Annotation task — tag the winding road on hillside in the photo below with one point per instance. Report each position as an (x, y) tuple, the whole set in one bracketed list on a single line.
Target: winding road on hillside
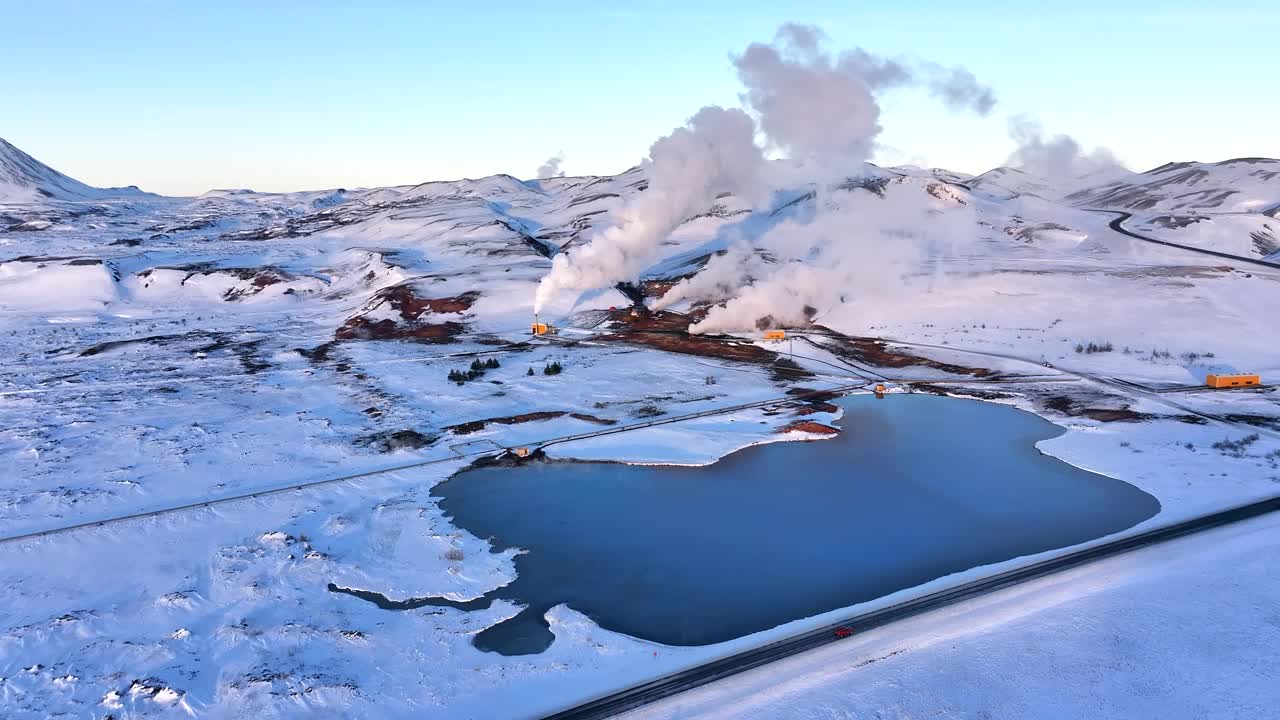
[(1118, 225), (646, 693)]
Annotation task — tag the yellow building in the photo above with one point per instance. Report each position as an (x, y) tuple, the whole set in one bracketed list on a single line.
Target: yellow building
[(1230, 381), (539, 328)]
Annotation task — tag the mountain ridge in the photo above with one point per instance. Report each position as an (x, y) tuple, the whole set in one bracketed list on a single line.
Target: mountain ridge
[(25, 179)]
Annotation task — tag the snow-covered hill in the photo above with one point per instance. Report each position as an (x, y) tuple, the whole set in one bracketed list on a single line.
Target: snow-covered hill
[(164, 352), (1007, 182), (1227, 206), (1241, 185), (24, 179)]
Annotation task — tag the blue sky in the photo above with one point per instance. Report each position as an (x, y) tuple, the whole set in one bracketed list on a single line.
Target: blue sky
[(181, 97)]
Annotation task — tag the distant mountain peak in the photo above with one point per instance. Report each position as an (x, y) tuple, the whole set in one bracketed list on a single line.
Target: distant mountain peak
[(24, 179)]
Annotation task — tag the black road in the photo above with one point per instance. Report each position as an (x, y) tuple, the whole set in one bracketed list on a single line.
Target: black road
[(649, 692), (1118, 226)]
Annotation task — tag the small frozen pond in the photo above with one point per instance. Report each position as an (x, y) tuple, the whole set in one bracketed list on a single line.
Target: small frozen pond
[(915, 487)]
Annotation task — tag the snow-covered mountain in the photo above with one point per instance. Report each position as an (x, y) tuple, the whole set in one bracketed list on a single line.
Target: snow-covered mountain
[(1011, 182), (1230, 206), (1238, 185), (1008, 182), (25, 179)]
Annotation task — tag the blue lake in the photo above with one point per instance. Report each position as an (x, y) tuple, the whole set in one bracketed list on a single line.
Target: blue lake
[(914, 488)]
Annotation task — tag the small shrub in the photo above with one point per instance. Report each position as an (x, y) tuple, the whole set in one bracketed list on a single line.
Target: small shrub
[(647, 411), (530, 372), (552, 369), (475, 371), (491, 364), (1236, 448), (455, 554), (1094, 347)]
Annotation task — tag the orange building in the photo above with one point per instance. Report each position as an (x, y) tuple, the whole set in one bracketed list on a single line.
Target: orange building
[(539, 328), (775, 335), (1230, 381)]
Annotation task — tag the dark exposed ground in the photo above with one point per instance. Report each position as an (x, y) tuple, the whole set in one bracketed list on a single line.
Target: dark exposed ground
[(871, 351), (467, 428), (411, 323)]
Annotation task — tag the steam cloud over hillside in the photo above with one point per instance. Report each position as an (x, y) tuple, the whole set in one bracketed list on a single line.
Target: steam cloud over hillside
[(1057, 157), (551, 168), (811, 106)]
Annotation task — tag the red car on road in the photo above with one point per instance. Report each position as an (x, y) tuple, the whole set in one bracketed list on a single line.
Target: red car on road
[(843, 632)]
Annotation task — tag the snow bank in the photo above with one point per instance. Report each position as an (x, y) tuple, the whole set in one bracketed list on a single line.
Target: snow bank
[(59, 285)]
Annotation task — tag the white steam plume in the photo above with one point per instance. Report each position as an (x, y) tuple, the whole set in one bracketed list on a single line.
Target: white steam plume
[(719, 279), (1057, 158), (820, 110), (714, 153), (825, 110), (813, 106), (845, 262), (551, 168), (958, 89)]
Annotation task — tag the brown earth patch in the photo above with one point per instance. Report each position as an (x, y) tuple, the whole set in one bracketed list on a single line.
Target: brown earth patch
[(695, 345), (467, 428), (1068, 406), (319, 354), (592, 419), (361, 328), (872, 351), (1263, 421), (661, 320), (410, 306), (670, 331), (220, 340), (1113, 415), (389, 442), (809, 426), (260, 277), (816, 407), (962, 392), (813, 395)]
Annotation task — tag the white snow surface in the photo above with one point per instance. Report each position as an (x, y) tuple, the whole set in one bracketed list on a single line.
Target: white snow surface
[(164, 352), (1183, 630)]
